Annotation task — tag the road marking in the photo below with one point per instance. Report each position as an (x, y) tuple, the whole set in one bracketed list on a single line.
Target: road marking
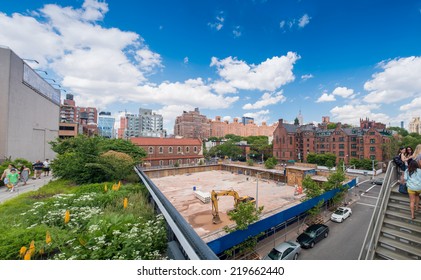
[(363, 182), (370, 205), (368, 196)]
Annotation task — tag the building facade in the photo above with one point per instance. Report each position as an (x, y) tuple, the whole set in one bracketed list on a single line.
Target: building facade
[(219, 128), (415, 125), (106, 125), (170, 151), (293, 142), (150, 124), (29, 110), (192, 125)]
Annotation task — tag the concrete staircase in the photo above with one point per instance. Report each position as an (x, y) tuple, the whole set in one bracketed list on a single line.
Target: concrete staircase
[(400, 236)]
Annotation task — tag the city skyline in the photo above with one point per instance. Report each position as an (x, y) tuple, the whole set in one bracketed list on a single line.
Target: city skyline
[(262, 59)]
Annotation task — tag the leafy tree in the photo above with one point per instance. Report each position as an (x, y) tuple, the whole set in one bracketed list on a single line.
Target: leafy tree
[(311, 188), (326, 159), (399, 130), (244, 215), (94, 159), (228, 149), (334, 180), (233, 137), (296, 121), (271, 162), (331, 125)]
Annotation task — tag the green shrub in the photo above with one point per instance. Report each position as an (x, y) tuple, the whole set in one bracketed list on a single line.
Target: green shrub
[(271, 162)]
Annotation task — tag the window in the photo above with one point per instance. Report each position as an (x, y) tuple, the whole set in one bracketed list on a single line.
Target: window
[(180, 161), (290, 140), (353, 153), (372, 149), (170, 162), (195, 149), (372, 157), (161, 150), (353, 146), (187, 150), (341, 153), (372, 141), (354, 139), (170, 150), (150, 150), (341, 146), (372, 133), (161, 162), (333, 139), (341, 139), (333, 146), (179, 150)]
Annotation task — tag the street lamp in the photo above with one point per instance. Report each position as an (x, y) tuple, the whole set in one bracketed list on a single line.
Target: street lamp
[(257, 190)]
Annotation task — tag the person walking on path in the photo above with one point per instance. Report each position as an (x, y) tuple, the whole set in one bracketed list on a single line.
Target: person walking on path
[(413, 182), (38, 166), (6, 172), (46, 167), (13, 179), (24, 174)]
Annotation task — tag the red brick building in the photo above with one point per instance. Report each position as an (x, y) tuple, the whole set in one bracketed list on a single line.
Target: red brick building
[(169, 151), (192, 125), (292, 142)]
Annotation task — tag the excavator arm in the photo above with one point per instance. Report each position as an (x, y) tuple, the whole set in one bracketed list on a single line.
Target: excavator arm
[(214, 198)]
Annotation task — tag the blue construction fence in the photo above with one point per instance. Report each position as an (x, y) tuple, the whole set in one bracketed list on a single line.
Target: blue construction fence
[(230, 240)]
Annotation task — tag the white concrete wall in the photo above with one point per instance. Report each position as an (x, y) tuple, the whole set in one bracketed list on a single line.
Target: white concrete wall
[(32, 120)]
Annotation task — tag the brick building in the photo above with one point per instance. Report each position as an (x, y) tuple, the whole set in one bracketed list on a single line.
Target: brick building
[(194, 125), (293, 142), (168, 151)]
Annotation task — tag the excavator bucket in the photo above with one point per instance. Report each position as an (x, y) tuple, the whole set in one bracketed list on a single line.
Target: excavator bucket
[(216, 220)]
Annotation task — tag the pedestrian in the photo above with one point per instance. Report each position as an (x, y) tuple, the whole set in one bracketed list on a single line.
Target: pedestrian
[(6, 172), (408, 155), (13, 179), (24, 174), (46, 167), (417, 154), (38, 167), (413, 182)]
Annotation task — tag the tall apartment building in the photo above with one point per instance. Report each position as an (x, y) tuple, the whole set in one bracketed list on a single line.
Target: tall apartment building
[(68, 110), (292, 142), (29, 110), (415, 125), (150, 124), (192, 125), (132, 126), (106, 125)]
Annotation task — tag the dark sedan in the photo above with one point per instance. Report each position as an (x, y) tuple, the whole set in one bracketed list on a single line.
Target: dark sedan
[(312, 235)]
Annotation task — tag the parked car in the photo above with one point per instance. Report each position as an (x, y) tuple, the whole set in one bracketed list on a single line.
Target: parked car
[(341, 214), (285, 251), (378, 181), (312, 235)]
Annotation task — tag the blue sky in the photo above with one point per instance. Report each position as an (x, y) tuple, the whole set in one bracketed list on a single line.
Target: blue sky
[(265, 59)]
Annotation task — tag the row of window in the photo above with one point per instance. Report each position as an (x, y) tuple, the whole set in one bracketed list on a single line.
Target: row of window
[(171, 150), (179, 161)]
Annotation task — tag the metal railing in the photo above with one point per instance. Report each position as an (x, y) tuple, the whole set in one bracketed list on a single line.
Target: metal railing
[(376, 222), (193, 247)]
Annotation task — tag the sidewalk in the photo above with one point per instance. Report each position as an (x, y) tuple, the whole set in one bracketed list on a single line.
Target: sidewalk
[(31, 185)]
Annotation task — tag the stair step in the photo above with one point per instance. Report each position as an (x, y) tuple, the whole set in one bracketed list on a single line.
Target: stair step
[(400, 206), (402, 235), (413, 252), (402, 216), (389, 254), (399, 224)]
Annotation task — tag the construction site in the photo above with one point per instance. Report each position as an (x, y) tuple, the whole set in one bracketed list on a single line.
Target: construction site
[(191, 195)]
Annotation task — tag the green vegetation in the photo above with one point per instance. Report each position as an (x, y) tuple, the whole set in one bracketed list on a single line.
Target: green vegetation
[(94, 159), (365, 164), (100, 225), (271, 162), (327, 159)]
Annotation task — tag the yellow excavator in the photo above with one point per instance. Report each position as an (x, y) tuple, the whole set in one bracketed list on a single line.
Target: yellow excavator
[(237, 200)]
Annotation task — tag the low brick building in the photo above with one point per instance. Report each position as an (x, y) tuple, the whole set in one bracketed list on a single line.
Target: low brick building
[(169, 151)]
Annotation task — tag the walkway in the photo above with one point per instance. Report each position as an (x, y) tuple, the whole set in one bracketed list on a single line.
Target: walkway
[(31, 185)]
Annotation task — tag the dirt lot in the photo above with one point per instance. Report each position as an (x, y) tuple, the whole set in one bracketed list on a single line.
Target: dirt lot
[(178, 189)]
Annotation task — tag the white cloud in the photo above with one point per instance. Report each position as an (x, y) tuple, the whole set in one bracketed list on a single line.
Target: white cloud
[(343, 92), (306, 77), (399, 80), (259, 117), (326, 98), (266, 100), (282, 24), (299, 23), (236, 31), (218, 23), (304, 20), (186, 60), (268, 75), (351, 114), (222, 87)]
